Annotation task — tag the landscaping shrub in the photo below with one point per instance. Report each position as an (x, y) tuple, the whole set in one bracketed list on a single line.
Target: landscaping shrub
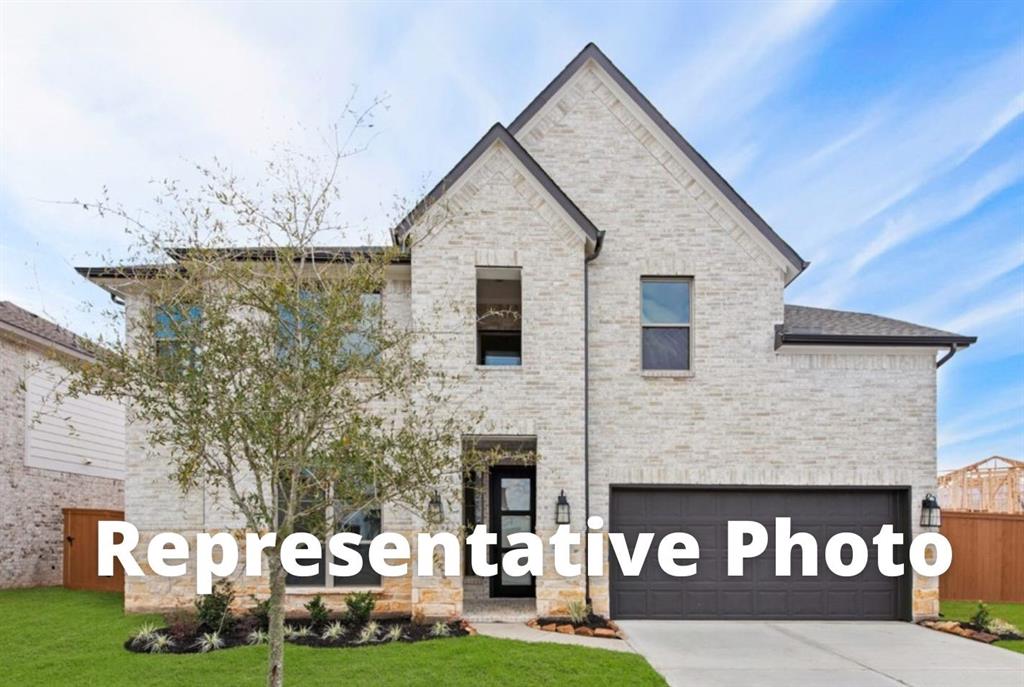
[(214, 609), (360, 606), (983, 616), (318, 613), (182, 626), (579, 611), (998, 626), (261, 611)]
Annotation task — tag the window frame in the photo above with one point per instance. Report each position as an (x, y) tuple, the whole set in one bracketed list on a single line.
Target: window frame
[(687, 326), (329, 583), (479, 331)]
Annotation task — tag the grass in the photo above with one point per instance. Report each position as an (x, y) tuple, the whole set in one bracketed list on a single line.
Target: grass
[(1013, 613), (53, 636)]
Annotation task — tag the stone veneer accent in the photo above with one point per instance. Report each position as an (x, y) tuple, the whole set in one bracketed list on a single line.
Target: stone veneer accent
[(31, 499)]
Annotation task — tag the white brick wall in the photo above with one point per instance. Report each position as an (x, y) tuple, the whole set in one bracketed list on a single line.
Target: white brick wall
[(747, 414)]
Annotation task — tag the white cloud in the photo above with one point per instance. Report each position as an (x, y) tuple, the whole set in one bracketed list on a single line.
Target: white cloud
[(1010, 304)]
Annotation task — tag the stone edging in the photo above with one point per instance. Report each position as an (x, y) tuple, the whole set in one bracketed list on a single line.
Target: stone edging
[(611, 632)]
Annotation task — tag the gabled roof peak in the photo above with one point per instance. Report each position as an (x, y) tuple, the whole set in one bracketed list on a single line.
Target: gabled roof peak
[(498, 133), (592, 52)]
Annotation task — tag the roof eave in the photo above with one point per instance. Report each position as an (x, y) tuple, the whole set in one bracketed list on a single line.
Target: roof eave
[(873, 340)]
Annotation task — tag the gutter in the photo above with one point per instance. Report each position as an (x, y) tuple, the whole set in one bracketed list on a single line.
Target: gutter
[(598, 244), (946, 358)]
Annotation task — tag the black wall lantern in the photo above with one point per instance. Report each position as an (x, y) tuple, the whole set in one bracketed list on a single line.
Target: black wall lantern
[(931, 514), (435, 509), (562, 510)]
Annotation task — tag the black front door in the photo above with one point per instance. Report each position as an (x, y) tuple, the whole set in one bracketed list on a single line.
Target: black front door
[(512, 497)]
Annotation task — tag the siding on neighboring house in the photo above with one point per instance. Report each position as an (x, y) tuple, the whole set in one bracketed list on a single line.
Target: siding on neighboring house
[(36, 484), (83, 435)]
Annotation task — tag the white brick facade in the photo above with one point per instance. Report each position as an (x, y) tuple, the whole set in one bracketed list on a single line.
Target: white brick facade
[(746, 414)]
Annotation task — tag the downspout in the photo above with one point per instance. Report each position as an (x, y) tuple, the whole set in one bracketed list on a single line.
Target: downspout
[(945, 359), (586, 402)]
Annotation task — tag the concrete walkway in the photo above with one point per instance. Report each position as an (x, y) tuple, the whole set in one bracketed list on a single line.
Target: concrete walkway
[(528, 634), (831, 654)]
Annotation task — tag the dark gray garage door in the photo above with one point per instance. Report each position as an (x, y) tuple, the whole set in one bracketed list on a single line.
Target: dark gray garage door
[(711, 594)]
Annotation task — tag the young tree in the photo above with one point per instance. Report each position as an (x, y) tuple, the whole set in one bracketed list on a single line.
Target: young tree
[(275, 374)]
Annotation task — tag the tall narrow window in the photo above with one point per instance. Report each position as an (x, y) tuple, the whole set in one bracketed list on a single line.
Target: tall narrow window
[(499, 309), (665, 323)]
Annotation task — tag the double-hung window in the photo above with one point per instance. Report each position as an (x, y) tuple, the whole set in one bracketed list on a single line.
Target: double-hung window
[(665, 323)]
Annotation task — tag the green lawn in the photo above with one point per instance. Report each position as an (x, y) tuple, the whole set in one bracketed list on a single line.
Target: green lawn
[(1014, 613), (53, 636)]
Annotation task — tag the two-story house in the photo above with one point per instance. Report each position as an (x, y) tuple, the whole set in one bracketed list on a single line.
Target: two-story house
[(654, 366)]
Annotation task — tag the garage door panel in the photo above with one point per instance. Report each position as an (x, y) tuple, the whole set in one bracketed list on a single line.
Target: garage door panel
[(759, 593)]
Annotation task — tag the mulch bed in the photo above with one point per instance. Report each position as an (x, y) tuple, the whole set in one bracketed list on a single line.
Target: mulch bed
[(187, 643), (968, 630), (593, 626)]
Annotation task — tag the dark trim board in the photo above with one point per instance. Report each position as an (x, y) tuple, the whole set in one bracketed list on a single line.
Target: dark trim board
[(497, 133), (759, 595)]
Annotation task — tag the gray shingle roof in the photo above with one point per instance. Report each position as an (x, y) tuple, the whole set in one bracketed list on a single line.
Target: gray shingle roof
[(804, 324), (21, 322)]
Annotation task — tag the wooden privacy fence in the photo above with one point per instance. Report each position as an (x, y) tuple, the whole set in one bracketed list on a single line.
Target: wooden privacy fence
[(988, 556)]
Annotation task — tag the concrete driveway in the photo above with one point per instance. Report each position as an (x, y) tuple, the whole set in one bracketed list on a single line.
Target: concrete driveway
[(833, 654)]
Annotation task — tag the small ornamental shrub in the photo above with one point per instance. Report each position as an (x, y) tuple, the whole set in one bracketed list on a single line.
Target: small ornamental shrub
[(333, 631), (144, 636), (261, 611), (160, 644), (983, 616), (440, 629), (579, 611), (368, 633), (360, 606), (182, 625), (394, 633), (998, 626), (209, 641), (318, 613), (214, 609), (292, 632), (256, 637)]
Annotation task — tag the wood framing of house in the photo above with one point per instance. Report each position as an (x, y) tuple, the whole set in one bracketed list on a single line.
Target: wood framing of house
[(993, 485)]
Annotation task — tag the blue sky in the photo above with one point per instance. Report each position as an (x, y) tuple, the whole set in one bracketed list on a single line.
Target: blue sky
[(882, 140)]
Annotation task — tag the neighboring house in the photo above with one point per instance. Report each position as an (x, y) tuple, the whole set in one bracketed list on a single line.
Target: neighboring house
[(52, 457), (655, 370), (993, 485)]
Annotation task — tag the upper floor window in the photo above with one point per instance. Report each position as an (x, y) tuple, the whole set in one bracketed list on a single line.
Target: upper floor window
[(665, 306), (299, 325), (499, 310), (175, 341)]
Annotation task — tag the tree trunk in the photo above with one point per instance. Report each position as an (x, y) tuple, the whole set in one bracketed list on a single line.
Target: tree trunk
[(275, 659)]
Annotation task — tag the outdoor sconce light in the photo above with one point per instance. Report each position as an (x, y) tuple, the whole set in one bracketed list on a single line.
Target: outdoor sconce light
[(562, 510), (435, 509), (931, 514)]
